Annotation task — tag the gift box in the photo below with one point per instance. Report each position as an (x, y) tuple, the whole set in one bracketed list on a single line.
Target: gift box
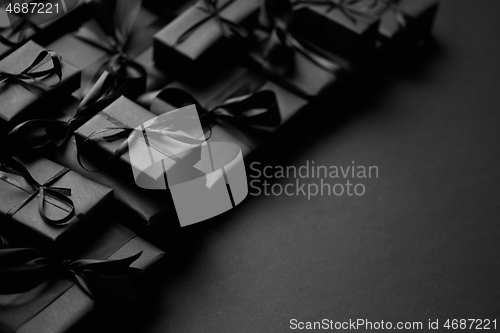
[(61, 304), (21, 97), (232, 82), (299, 73), (156, 78), (408, 21), (69, 202), (93, 57), (16, 29), (347, 29), (196, 38)]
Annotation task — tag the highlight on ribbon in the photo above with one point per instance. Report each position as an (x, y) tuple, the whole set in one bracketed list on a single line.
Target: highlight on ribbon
[(171, 152)]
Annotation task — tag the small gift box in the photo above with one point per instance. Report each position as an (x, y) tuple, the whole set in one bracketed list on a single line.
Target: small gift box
[(408, 21), (46, 202), (31, 79), (200, 35), (345, 27), (156, 78), (304, 71), (95, 47), (57, 295)]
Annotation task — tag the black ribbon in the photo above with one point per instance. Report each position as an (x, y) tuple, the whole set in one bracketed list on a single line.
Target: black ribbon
[(18, 27), (42, 191), (115, 19), (29, 77), (40, 133), (281, 44), (22, 269), (254, 109), (229, 29)]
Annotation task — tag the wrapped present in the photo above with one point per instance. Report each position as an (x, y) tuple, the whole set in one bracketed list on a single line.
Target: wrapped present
[(120, 31), (407, 21), (46, 202), (240, 106), (58, 293), (42, 23), (343, 26), (203, 33), (29, 79)]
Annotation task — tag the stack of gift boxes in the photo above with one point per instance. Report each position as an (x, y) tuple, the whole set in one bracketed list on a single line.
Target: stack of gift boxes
[(72, 90)]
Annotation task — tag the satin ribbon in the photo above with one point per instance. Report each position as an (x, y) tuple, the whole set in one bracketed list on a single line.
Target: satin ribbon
[(116, 19), (19, 27), (40, 133), (171, 128), (22, 269), (281, 44), (229, 29), (59, 195), (29, 76), (254, 109)]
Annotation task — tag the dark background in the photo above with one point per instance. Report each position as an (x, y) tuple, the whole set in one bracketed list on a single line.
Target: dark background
[(422, 243)]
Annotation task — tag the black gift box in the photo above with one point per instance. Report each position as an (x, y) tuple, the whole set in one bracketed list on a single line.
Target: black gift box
[(205, 45), (410, 21), (60, 305), (150, 208), (89, 199), (18, 102), (351, 32), (303, 77)]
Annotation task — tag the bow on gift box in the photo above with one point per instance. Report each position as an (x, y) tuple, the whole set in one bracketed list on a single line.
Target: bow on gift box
[(254, 109), (58, 196), (229, 29), (112, 35), (40, 133), (173, 129), (30, 78), (281, 45), (22, 269)]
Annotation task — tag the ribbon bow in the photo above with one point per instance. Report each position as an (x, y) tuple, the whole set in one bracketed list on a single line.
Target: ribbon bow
[(115, 21), (281, 44), (171, 128), (229, 29), (28, 76), (42, 191), (40, 133), (22, 269), (255, 109)]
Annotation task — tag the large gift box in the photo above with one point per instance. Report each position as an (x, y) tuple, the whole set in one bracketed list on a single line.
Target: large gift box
[(149, 208), (200, 37), (46, 202), (45, 23), (33, 80), (346, 27), (63, 301)]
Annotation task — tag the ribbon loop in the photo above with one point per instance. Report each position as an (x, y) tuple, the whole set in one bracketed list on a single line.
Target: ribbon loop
[(29, 76), (61, 195)]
